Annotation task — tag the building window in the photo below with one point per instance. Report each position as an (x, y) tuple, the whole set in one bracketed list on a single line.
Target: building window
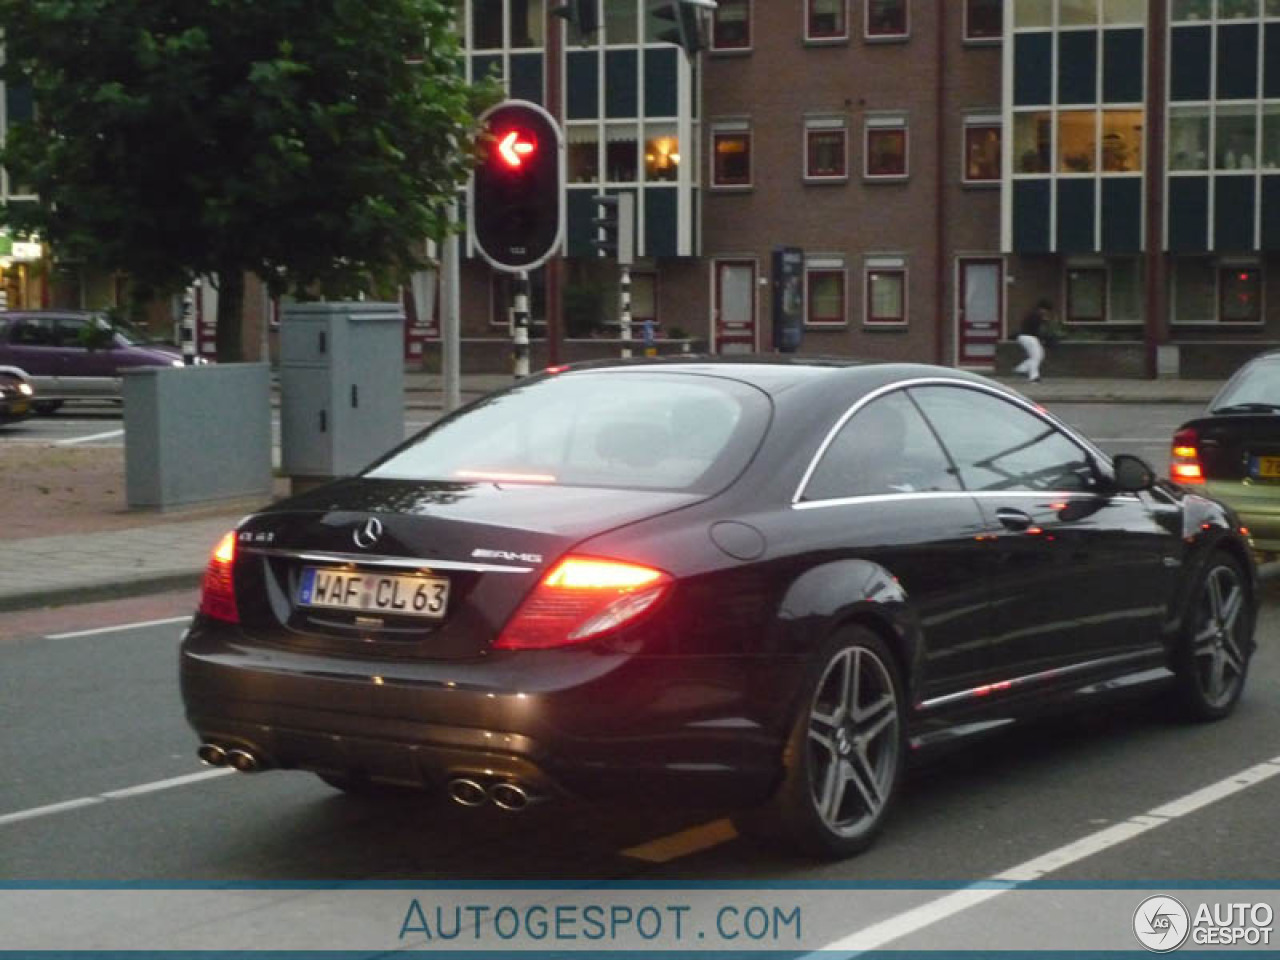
[(1237, 145), (1188, 138), (502, 290), (826, 146), (983, 19), (1122, 141), (1077, 139), (886, 286), (731, 150), (886, 18), (1086, 295), (731, 25), (981, 150), (1240, 294), (826, 20), (886, 148), (1207, 291), (644, 298), (662, 153), (824, 288)]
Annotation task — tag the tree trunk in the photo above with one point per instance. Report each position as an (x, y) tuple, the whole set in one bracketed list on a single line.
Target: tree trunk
[(230, 316)]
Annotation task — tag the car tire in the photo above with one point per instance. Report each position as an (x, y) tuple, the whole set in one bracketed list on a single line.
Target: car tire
[(1212, 659), (46, 407), (845, 753)]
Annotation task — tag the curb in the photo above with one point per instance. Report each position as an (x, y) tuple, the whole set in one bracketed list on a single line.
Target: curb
[(110, 590)]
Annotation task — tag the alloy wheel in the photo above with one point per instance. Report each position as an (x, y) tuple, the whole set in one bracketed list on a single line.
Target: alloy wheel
[(1217, 647), (854, 741)]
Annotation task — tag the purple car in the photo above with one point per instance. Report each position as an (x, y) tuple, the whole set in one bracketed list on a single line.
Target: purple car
[(75, 355)]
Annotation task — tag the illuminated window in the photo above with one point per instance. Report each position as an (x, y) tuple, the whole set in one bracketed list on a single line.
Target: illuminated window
[(826, 20), (886, 286), (661, 153), (1121, 141), (731, 149), (731, 25), (886, 148), (1032, 134), (886, 18), (981, 150), (1077, 141), (1240, 294), (983, 19), (824, 282), (826, 149)]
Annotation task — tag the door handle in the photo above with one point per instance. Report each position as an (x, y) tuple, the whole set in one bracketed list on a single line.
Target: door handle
[(1013, 519)]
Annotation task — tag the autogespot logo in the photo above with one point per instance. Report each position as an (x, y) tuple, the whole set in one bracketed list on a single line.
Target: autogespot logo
[(1161, 924)]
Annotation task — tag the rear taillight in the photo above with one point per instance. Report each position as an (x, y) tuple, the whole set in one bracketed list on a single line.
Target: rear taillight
[(581, 599), (217, 592), (1184, 465)]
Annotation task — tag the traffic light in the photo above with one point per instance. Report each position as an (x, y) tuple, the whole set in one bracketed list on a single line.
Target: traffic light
[(517, 206), (583, 16), (686, 22), (615, 227)]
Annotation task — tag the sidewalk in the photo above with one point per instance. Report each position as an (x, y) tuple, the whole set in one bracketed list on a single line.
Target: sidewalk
[(67, 537)]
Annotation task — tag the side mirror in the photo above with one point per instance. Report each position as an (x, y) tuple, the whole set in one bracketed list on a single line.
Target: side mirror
[(1132, 473)]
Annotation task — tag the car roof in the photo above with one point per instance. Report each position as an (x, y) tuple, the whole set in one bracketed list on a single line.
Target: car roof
[(779, 374)]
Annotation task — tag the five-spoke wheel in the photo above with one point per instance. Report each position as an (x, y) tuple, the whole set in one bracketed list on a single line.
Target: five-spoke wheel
[(1214, 659)]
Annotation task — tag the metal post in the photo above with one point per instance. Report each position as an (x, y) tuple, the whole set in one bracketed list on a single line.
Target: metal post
[(447, 287), (624, 289), (520, 326), (190, 305)]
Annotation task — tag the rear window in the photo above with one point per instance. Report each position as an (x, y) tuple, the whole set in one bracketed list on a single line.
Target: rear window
[(626, 430), (1256, 384)]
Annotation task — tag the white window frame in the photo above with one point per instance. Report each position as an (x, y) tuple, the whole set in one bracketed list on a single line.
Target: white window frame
[(821, 38), (885, 264), (984, 120), (879, 122), (870, 37), (825, 124), (739, 127), (827, 263)]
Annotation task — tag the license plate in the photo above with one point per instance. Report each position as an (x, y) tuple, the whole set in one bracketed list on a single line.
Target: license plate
[(18, 406), (1268, 467), (408, 596)]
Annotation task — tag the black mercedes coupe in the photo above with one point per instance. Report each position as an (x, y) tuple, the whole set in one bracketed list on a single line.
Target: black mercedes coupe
[(761, 584)]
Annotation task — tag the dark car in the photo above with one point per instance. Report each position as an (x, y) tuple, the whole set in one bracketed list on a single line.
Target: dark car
[(16, 395), (1232, 452), (75, 355), (757, 584)]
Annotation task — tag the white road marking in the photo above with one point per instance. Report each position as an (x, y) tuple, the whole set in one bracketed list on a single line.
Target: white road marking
[(48, 809), (123, 626), (93, 436), (155, 786), (912, 921)]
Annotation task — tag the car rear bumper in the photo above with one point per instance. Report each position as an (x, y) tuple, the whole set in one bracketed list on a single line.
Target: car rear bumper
[(572, 722)]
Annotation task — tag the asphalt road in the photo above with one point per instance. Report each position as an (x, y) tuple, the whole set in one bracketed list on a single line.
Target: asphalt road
[(96, 755)]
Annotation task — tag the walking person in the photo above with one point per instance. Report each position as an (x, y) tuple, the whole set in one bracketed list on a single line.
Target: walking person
[(1036, 327)]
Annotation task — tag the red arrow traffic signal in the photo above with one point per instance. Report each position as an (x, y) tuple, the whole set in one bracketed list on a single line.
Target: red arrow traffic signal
[(513, 148)]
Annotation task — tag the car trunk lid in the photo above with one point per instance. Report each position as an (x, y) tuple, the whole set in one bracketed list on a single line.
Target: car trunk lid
[(410, 569)]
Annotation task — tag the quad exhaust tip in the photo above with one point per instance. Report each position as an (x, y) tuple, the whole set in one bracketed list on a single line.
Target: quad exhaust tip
[(245, 761), (212, 755), (505, 795)]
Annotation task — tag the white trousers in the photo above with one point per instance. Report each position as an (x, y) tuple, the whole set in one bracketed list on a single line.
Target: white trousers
[(1034, 350)]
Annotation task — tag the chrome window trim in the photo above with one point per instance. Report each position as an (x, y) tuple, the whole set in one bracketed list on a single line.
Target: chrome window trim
[(954, 494), (1015, 683), (379, 560), (797, 499)]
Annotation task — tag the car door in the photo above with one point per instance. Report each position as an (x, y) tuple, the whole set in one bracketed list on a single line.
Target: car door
[(31, 347), (883, 492), (1079, 573), (86, 367)]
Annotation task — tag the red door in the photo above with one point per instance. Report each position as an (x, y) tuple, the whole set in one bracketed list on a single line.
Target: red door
[(979, 312), (735, 306)]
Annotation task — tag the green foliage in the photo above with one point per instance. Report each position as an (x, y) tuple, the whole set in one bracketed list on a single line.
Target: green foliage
[(314, 143)]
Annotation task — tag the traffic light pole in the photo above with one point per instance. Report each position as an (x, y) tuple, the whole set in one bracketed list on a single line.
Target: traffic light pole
[(448, 291), (624, 313), (520, 327)]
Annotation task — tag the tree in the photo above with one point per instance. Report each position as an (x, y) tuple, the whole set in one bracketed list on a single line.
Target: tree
[(314, 143)]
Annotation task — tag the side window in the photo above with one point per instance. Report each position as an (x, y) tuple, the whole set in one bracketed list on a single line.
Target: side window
[(886, 447), (69, 332), (32, 333), (999, 446)]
